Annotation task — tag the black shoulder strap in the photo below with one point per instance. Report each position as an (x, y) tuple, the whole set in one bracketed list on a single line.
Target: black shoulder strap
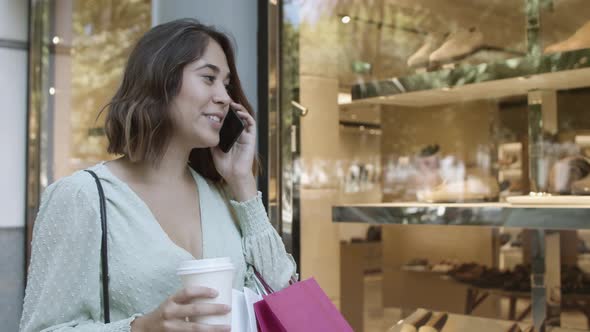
[(103, 249)]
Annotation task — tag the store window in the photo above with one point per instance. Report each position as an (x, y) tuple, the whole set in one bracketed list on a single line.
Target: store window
[(425, 144)]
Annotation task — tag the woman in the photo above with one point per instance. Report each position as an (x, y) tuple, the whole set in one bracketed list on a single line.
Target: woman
[(179, 83)]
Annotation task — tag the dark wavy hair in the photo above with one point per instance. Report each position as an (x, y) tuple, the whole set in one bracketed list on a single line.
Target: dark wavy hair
[(138, 123)]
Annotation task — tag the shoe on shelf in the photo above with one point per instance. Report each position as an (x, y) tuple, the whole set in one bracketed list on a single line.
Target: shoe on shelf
[(420, 57), (436, 323), (519, 279), (491, 278), (458, 44), (467, 272), (581, 187), (416, 264), (579, 40), (472, 189), (420, 317), (569, 175), (443, 267)]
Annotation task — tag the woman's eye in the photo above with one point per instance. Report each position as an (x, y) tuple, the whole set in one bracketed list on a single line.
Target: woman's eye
[(210, 79)]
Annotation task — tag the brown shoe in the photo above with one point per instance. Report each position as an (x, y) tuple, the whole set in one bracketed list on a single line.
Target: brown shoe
[(579, 40), (581, 187)]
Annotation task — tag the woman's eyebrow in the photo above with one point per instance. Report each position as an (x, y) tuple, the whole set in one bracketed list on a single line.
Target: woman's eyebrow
[(213, 67), (210, 66)]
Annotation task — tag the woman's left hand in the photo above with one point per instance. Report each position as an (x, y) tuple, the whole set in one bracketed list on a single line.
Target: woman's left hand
[(236, 166)]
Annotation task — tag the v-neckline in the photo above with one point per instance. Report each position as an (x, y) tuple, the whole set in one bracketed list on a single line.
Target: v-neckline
[(196, 179)]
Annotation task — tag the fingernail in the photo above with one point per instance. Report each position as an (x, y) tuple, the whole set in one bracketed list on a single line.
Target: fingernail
[(214, 293), (228, 307)]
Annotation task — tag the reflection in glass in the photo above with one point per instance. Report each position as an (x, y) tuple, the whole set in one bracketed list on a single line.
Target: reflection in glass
[(78, 50), (79, 58), (99, 38)]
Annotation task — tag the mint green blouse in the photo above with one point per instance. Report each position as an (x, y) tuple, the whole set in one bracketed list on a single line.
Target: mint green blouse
[(64, 286)]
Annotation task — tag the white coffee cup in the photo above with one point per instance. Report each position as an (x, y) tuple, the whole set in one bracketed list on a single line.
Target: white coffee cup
[(215, 273)]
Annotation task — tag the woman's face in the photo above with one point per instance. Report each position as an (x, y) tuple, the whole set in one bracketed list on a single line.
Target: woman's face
[(200, 107)]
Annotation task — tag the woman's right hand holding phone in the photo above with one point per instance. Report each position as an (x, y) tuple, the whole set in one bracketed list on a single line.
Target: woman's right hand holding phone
[(171, 315)]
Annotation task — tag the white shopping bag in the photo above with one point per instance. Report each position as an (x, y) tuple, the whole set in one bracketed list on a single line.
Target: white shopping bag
[(243, 318)]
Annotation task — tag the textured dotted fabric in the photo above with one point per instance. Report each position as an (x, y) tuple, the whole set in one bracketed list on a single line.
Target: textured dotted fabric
[(64, 281)]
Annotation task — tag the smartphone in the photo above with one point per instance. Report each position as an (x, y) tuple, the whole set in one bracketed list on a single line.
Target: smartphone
[(230, 131)]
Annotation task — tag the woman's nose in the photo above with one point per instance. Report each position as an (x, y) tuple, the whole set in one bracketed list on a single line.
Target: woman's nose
[(221, 96)]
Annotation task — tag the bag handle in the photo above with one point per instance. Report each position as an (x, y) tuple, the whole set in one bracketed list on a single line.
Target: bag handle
[(103, 249), (258, 276), (262, 283)]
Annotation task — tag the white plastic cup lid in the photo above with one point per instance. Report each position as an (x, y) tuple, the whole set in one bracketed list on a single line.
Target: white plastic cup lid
[(205, 265)]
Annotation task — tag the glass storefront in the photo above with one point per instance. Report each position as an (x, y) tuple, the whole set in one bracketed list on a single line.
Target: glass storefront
[(466, 119)]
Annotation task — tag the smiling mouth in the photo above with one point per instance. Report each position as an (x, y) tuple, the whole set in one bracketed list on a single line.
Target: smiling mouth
[(214, 118)]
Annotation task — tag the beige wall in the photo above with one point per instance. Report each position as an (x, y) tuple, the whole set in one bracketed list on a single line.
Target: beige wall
[(322, 139), (458, 129), (319, 139), (572, 109)]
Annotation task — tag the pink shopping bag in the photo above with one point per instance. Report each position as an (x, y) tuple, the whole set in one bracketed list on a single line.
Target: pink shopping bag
[(301, 307)]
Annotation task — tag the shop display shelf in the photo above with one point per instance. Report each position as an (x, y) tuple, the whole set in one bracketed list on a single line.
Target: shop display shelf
[(466, 214), (517, 76)]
